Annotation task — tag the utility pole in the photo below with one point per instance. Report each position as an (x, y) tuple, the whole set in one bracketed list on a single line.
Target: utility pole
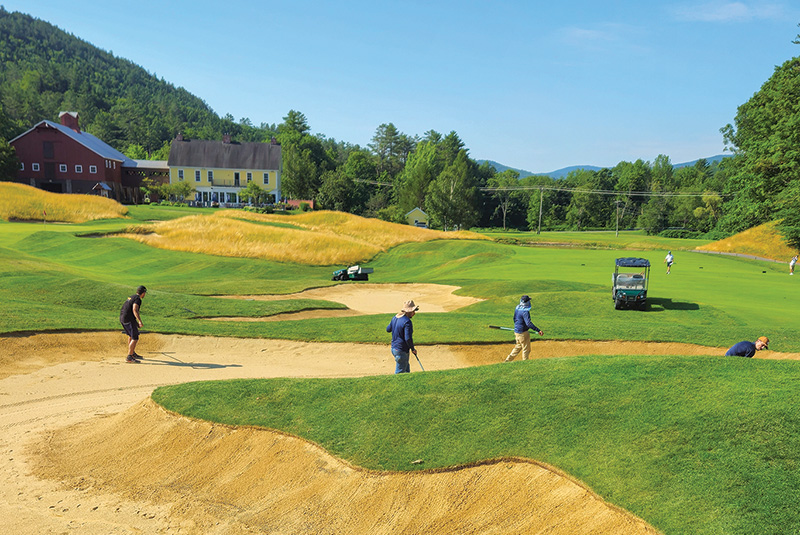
[(541, 200)]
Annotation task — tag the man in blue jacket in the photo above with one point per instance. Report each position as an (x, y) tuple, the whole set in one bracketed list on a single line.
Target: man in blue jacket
[(522, 326), (748, 349), (403, 336)]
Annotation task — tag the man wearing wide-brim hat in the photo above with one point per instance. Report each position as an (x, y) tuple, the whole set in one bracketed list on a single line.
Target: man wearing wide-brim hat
[(748, 349), (403, 336)]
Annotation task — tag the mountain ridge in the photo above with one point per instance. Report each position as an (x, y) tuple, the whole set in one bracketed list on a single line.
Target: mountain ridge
[(564, 171)]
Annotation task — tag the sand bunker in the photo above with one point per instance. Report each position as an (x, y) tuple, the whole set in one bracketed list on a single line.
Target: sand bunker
[(365, 298), (248, 480), (129, 467)]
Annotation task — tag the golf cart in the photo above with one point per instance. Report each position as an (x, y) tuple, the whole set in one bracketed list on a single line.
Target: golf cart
[(629, 283), (352, 273)]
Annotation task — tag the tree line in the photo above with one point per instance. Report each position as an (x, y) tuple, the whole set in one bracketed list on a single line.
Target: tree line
[(44, 70)]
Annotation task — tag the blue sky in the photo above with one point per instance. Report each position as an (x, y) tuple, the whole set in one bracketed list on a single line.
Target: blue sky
[(536, 85)]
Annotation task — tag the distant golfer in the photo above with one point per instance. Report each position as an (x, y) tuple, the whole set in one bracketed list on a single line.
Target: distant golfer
[(748, 349), (669, 259), (403, 336), (131, 321), (792, 262), (522, 327)]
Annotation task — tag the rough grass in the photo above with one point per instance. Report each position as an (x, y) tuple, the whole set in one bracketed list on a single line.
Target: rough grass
[(319, 238), (764, 241), (19, 202)]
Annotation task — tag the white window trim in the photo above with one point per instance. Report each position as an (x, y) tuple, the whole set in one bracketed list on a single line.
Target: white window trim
[(78, 168), (249, 176), (210, 175), (21, 166), (266, 179), (180, 174), (62, 168), (93, 169), (34, 167)]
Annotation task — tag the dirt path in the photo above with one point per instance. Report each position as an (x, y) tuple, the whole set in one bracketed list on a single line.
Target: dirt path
[(85, 451)]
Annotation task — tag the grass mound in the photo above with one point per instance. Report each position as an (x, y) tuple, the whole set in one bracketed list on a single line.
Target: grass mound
[(19, 202), (319, 238), (764, 241), (650, 434)]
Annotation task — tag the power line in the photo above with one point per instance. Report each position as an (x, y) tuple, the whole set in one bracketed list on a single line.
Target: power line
[(580, 190), (607, 192)]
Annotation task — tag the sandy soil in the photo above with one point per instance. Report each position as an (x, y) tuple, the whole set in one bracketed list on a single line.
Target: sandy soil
[(367, 298), (85, 451)]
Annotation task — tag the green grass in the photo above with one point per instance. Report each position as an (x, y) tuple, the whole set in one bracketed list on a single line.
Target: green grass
[(602, 239), (692, 445), (708, 299)]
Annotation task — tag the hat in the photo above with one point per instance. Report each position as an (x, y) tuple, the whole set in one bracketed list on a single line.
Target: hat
[(409, 306), (765, 340), (524, 299), (140, 290)]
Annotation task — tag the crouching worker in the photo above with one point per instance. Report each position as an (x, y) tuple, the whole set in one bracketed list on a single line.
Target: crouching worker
[(403, 336), (522, 326), (748, 349)]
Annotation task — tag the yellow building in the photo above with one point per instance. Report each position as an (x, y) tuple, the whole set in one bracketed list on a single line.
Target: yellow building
[(219, 170), (417, 218)]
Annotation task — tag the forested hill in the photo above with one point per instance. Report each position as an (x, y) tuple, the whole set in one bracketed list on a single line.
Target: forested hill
[(45, 70)]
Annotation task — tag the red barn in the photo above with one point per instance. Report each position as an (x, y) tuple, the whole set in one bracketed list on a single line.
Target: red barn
[(63, 159)]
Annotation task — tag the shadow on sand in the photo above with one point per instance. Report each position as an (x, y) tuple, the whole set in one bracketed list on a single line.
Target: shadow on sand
[(177, 362)]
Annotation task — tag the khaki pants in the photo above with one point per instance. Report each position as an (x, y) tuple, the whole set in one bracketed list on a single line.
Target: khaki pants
[(523, 344)]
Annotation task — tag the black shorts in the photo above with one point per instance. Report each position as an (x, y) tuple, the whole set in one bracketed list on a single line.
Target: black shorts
[(132, 330)]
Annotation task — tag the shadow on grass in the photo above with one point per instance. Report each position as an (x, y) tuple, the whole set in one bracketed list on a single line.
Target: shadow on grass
[(656, 304), (194, 365)]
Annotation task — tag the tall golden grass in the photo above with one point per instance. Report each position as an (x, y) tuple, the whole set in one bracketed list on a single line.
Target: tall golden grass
[(20, 202), (322, 238), (764, 241)]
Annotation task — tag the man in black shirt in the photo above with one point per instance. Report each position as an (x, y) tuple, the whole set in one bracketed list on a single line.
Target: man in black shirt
[(131, 321)]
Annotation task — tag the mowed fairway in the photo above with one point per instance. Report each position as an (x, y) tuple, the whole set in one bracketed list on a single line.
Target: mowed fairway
[(689, 444)]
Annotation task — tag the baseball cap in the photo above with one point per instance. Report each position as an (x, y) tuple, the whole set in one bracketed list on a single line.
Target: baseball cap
[(524, 299), (765, 340), (140, 290)]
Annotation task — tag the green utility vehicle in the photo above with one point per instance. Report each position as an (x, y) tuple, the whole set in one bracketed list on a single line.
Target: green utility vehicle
[(629, 283), (352, 273)]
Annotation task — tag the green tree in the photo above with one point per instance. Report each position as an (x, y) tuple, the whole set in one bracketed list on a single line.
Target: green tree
[(135, 152), (9, 163), (392, 149), (630, 178), (765, 138), (451, 200), (253, 193), (299, 178), (504, 196), (182, 190), (420, 171)]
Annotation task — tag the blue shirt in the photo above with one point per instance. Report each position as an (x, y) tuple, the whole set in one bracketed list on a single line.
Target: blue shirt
[(402, 333), (522, 319), (742, 349)]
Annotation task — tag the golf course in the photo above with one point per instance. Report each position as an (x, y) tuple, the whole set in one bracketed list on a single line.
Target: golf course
[(266, 400)]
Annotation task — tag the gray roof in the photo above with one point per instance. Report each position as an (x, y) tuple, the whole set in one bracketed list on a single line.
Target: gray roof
[(150, 164), (219, 155), (87, 140)]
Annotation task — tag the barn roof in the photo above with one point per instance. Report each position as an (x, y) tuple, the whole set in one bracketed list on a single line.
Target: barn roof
[(86, 139)]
